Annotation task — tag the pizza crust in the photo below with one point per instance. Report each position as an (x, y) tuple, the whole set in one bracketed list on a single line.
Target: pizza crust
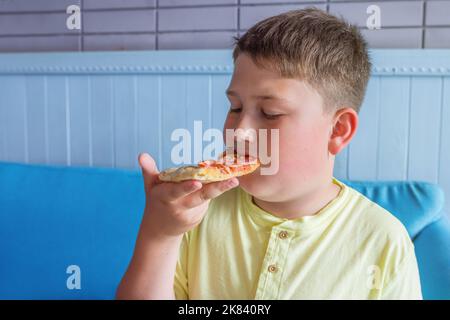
[(206, 174), (184, 173)]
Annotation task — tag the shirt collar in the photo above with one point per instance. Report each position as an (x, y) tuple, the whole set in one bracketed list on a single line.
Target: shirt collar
[(302, 225)]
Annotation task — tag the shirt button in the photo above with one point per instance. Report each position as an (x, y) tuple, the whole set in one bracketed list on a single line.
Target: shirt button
[(272, 268), (283, 234)]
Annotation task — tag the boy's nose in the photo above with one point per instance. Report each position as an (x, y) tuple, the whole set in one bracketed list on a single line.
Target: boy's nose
[(244, 129), (241, 140), (245, 142), (245, 134)]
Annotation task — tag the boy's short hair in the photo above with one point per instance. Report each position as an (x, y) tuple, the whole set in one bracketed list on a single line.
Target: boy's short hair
[(312, 45)]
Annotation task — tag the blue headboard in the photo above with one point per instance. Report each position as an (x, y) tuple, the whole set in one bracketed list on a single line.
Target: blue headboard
[(103, 108)]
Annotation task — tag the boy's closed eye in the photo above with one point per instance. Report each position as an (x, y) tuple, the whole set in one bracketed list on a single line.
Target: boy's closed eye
[(266, 114)]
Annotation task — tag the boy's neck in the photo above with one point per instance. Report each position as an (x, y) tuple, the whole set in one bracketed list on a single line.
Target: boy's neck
[(306, 205)]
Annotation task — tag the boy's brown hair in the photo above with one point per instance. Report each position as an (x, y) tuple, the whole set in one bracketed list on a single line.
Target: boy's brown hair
[(312, 45)]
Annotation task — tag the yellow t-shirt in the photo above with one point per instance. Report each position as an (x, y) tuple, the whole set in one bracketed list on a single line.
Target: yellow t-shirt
[(351, 249)]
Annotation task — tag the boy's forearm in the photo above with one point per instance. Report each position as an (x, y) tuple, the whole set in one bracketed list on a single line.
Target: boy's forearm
[(151, 272)]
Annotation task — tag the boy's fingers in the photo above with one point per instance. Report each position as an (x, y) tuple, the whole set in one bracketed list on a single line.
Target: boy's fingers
[(173, 191), (210, 191), (149, 169)]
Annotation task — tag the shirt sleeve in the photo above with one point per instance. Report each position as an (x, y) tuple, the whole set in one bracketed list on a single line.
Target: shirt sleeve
[(405, 285), (181, 281)]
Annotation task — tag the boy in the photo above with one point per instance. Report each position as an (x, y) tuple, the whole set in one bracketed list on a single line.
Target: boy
[(296, 234)]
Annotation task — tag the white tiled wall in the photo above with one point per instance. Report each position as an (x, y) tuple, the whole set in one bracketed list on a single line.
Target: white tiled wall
[(40, 25)]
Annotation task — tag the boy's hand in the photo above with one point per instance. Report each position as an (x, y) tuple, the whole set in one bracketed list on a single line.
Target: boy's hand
[(172, 209)]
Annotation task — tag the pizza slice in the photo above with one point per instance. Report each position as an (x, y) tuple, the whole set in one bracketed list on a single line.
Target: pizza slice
[(226, 167)]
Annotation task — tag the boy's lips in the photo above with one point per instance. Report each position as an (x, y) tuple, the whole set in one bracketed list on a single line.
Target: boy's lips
[(239, 157), (236, 153)]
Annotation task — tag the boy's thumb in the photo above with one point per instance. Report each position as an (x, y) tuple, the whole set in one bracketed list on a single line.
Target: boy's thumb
[(149, 169)]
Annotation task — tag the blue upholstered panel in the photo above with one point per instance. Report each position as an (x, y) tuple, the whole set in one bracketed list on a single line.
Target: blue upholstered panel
[(51, 218), (54, 217), (416, 204)]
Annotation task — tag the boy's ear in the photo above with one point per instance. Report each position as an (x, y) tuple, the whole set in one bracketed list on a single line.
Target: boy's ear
[(345, 123)]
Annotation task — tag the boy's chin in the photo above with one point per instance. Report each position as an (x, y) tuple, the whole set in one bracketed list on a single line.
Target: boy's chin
[(256, 185)]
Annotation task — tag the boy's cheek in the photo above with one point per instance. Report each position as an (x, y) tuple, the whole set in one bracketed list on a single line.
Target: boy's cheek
[(301, 158), (297, 160), (298, 167)]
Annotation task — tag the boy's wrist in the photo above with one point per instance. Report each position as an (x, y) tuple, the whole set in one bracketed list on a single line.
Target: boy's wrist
[(164, 238), (153, 234)]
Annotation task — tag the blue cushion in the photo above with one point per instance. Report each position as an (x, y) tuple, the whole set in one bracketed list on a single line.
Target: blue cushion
[(433, 255), (53, 217), (418, 205), (415, 204)]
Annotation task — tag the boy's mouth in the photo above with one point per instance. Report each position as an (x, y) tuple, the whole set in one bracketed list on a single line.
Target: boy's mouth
[(235, 151), (232, 155)]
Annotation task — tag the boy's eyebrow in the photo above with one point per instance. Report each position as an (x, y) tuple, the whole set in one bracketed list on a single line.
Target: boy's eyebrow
[(259, 97)]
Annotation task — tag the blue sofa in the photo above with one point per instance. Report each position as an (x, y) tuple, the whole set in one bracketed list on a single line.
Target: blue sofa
[(52, 218)]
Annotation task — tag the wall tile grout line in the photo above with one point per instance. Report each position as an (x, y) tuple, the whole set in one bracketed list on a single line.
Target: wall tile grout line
[(82, 26), (164, 7), (424, 13), (157, 25), (37, 35), (203, 6), (238, 17), (185, 31), (182, 31), (59, 11)]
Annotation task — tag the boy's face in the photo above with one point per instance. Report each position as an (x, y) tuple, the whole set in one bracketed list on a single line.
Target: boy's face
[(261, 99)]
